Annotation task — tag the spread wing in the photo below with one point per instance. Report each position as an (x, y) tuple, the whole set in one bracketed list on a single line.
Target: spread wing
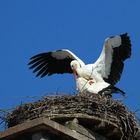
[(53, 62), (110, 64)]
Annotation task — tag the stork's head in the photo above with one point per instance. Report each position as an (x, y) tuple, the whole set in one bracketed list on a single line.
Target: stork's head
[(74, 66)]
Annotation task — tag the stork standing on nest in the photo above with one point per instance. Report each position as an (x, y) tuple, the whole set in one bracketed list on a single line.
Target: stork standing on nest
[(98, 77)]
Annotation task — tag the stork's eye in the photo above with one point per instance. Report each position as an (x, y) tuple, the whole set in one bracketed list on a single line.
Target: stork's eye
[(72, 66)]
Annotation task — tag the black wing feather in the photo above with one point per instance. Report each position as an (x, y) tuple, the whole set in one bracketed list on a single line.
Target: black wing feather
[(39, 67), (51, 62), (120, 54)]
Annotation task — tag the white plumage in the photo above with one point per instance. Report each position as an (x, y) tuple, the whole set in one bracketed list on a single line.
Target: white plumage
[(103, 74), (84, 85), (91, 86)]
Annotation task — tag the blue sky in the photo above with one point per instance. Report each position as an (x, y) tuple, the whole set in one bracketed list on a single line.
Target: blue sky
[(31, 26)]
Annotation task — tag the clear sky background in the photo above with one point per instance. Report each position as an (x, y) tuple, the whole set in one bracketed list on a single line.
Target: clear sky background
[(29, 27)]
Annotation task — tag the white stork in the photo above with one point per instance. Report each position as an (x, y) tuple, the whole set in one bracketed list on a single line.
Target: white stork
[(104, 73), (91, 86)]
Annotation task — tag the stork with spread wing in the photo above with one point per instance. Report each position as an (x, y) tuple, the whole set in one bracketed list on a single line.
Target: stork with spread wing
[(103, 74)]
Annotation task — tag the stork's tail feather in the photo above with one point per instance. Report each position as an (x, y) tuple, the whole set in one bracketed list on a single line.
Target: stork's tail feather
[(110, 90), (117, 90)]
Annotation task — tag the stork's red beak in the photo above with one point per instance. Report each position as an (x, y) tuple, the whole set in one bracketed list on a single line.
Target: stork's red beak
[(74, 73)]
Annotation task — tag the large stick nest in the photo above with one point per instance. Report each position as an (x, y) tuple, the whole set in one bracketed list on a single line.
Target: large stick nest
[(97, 106)]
